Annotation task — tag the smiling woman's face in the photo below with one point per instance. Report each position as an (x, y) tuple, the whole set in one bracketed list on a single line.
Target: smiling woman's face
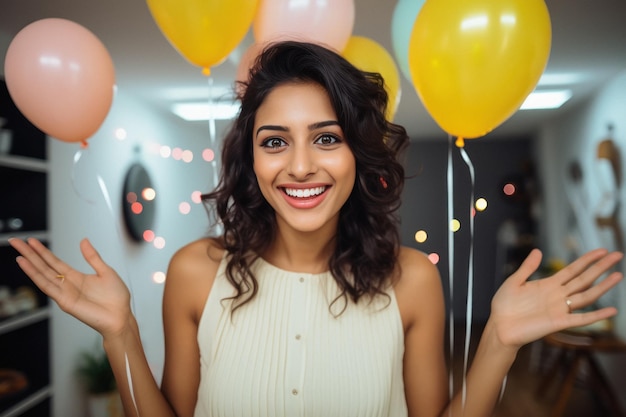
[(303, 164)]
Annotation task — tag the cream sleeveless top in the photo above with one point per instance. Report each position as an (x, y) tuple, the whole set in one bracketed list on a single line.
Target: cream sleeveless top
[(285, 354)]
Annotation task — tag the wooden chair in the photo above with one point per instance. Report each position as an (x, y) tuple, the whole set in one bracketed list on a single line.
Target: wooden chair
[(575, 351)]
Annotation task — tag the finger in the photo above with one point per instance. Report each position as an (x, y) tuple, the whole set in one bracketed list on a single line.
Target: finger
[(585, 279), (93, 258), (528, 267), (36, 264), (580, 265), (48, 286), (57, 265), (590, 317), (591, 295)]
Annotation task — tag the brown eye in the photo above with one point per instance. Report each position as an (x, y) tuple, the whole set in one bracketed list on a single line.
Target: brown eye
[(327, 140), (273, 143)]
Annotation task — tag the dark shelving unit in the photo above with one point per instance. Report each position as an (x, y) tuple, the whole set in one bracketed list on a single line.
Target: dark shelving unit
[(24, 310)]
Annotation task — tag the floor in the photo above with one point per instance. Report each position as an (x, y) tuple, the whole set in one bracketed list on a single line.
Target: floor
[(521, 399)]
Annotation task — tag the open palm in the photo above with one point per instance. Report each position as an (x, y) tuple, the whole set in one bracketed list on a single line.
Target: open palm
[(100, 300), (525, 311)]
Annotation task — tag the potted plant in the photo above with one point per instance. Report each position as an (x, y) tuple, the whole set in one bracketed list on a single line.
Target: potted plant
[(95, 371)]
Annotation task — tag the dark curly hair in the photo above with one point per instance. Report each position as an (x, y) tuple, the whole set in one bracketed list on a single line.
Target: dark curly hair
[(367, 240)]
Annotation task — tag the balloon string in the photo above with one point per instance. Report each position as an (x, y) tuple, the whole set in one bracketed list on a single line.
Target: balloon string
[(107, 199), (77, 157), (211, 102), (503, 388), (129, 377), (450, 184), (212, 132), (470, 274)]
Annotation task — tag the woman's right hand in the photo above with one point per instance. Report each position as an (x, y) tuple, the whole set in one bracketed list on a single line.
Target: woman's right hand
[(100, 300)]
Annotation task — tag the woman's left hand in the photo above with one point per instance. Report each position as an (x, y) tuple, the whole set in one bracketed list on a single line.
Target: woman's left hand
[(524, 311)]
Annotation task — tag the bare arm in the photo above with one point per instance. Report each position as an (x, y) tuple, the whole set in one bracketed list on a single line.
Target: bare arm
[(102, 301), (189, 280), (522, 311), (420, 299)]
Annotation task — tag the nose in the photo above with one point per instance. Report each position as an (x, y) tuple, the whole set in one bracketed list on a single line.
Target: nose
[(301, 163)]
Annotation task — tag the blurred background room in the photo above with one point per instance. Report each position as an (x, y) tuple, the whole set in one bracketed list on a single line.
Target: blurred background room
[(551, 178)]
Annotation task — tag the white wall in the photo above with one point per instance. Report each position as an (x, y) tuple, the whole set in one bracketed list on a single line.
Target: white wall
[(575, 136), (79, 208)]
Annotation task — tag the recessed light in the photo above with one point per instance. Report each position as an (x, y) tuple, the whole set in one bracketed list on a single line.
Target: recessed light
[(548, 99), (195, 111), (562, 78)]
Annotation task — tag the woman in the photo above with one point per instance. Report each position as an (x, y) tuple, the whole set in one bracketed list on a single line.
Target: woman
[(308, 305)]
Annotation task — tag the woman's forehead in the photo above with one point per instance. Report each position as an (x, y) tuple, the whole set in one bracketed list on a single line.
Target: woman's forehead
[(295, 102)]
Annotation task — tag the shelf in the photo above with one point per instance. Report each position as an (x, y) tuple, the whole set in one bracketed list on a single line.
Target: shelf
[(37, 234), (27, 403), (25, 336), (24, 162), (23, 319)]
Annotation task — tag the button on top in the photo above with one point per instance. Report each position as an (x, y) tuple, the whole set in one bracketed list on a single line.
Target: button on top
[(294, 391), (298, 337), (301, 279)]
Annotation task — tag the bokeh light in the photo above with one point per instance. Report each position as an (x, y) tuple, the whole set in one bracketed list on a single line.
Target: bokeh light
[(184, 207), (148, 235), (131, 197), (148, 194), (434, 258), (187, 156), (120, 133), (158, 277), (455, 225), (421, 236), (509, 189), (196, 197), (136, 207), (159, 242), (177, 154), (481, 204), (165, 151), (208, 155)]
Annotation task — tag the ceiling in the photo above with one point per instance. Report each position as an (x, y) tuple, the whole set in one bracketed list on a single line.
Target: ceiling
[(588, 39)]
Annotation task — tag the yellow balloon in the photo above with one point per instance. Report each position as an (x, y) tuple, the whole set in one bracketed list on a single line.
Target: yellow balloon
[(368, 55), (474, 62), (205, 32)]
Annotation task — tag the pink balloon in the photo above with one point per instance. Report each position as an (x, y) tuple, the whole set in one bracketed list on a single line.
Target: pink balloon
[(328, 23), (247, 60), (61, 78)]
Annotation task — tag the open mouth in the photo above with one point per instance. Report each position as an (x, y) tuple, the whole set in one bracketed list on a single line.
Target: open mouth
[(304, 192)]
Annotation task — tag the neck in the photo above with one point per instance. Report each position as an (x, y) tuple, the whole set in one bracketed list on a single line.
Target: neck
[(307, 252)]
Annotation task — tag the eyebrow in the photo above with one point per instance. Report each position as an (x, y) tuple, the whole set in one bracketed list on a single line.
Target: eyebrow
[(313, 126)]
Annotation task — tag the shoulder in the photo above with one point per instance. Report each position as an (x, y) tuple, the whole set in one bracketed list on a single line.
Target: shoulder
[(197, 256), (418, 285), (422, 309), (191, 273), (415, 269)]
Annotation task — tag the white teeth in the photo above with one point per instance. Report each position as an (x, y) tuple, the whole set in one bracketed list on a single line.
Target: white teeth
[(304, 193)]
